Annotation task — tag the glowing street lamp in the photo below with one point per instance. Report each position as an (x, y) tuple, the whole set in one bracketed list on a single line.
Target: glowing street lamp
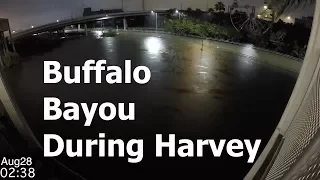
[(32, 26), (289, 17), (259, 16), (265, 7), (57, 20), (156, 19), (178, 13)]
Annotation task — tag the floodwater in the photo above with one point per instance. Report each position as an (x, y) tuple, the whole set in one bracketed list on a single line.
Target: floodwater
[(210, 94)]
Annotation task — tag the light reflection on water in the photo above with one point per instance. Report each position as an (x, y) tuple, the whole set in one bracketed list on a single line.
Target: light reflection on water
[(249, 50), (154, 46), (97, 34), (110, 43)]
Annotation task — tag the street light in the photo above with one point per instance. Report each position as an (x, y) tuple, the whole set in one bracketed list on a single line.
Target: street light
[(156, 20), (178, 13), (13, 31), (57, 20), (289, 17), (265, 7), (32, 26)]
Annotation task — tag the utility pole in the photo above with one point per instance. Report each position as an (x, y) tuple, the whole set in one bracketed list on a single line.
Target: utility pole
[(143, 5), (156, 22), (122, 5)]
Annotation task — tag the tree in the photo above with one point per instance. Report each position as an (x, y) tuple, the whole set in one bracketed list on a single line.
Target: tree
[(210, 10), (220, 7), (198, 13), (169, 13), (189, 12)]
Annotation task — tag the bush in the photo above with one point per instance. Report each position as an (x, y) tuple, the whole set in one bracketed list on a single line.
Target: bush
[(109, 33), (196, 28), (10, 59)]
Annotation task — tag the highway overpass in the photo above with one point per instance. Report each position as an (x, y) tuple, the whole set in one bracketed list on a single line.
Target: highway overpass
[(80, 20)]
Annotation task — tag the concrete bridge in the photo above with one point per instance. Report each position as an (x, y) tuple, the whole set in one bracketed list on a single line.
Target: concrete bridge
[(81, 20)]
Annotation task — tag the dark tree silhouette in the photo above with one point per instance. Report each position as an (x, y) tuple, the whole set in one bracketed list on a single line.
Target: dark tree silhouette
[(198, 13), (220, 7), (189, 10)]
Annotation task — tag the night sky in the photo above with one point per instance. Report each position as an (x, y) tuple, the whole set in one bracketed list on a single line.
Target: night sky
[(24, 13)]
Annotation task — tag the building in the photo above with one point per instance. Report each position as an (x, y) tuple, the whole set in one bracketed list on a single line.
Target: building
[(305, 21), (88, 11)]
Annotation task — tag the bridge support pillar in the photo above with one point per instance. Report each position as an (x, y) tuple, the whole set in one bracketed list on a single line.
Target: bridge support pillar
[(79, 27), (63, 32), (86, 29), (125, 24)]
